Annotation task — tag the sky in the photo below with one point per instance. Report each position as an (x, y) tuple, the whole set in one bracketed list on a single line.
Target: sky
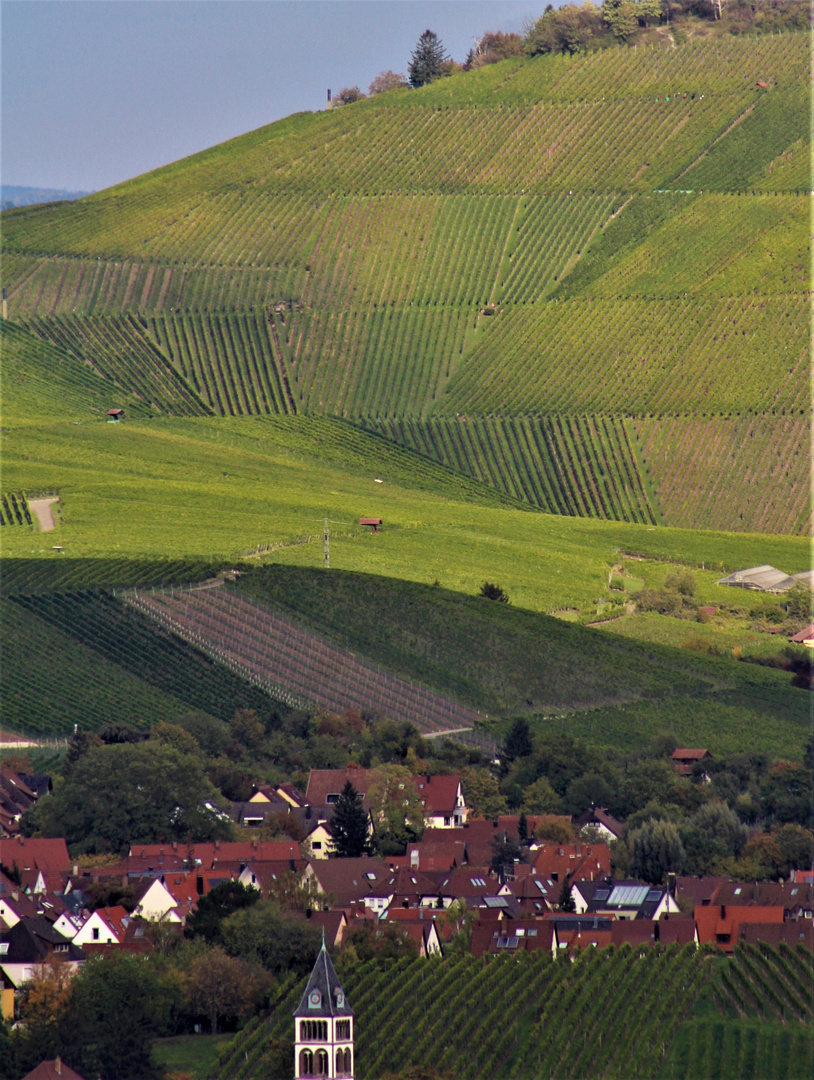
[(93, 93)]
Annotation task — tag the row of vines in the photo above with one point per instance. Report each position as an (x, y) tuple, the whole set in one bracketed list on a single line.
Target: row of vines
[(292, 664), (582, 465), (747, 474), (14, 509), (639, 356), (607, 1013), (121, 352)]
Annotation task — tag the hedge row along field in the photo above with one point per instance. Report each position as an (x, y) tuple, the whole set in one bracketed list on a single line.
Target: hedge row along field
[(737, 472), (584, 465), (119, 635), (639, 356), (120, 352)]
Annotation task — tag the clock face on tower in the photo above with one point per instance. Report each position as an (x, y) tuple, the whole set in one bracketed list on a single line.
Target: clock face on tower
[(340, 999), (314, 998)]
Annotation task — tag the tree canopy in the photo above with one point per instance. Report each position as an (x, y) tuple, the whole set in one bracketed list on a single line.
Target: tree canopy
[(131, 793)]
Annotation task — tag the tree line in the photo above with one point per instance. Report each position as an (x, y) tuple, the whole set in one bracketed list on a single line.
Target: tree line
[(575, 28)]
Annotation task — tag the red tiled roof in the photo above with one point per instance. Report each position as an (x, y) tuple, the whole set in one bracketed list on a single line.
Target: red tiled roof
[(325, 782), (581, 862), (219, 853), (55, 1069), (439, 793), (35, 854), (721, 921), (690, 755), (807, 634)]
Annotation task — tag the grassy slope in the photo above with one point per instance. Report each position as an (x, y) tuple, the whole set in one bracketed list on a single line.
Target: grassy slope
[(391, 246), (504, 660)]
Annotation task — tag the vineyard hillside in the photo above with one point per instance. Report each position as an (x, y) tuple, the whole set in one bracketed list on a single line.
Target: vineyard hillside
[(585, 247), (606, 1014)]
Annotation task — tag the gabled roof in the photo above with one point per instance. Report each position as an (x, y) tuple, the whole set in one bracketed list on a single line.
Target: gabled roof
[(765, 577), (806, 634), (683, 754), (323, 783), (440, 793), (323, 995), (598, 816), (32, 940)]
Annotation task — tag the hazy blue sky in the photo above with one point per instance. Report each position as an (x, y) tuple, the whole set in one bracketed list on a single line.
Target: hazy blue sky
[(96, 92)]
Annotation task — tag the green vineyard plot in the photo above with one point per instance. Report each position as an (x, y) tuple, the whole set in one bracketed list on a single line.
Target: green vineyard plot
[(566, 465), (735, 472)]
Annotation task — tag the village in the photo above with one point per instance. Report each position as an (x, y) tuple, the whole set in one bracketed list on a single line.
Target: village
[(490, 880)]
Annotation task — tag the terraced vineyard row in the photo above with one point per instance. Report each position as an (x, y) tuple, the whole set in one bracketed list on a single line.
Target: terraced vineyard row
[(229, 360), (606, 1014), (748, 474), (328, 253), (719, 245), (14, 509), (120, 635), (583, 465), (376, 363), (120, 351), (772, 983), (292, 664), (638, 356)]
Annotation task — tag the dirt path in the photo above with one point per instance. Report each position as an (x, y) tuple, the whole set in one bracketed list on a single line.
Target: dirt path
[(41, 509)]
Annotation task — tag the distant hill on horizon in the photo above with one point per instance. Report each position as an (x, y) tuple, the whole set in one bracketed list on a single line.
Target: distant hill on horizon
[(13, 195)]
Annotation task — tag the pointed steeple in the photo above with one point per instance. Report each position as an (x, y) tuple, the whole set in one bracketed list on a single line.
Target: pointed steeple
[(323, 995)]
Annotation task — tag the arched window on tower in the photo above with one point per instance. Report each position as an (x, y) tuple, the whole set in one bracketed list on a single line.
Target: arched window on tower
[(322, 1063), (306, 1063)]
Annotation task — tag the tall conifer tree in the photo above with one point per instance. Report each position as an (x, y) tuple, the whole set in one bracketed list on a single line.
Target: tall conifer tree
[(349, 824), (427, 61)]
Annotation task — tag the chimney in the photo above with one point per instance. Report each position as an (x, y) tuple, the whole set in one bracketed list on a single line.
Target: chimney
[(57, 1060), (414, 859), (76, 869), (723, 911), (291, 863)]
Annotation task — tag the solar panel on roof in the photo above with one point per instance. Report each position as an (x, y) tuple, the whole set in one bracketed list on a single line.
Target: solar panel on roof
[(628, 895)]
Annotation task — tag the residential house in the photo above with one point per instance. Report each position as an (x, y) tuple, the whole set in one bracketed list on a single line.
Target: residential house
[(325, 785), (30, 943), (54, 1069), (28, 853), (512, 936), (576, 862), (685, 760), (444, 805), (775, 934), (364, 880), (420, 926), (622, 899), (605, 824), (719, 924)]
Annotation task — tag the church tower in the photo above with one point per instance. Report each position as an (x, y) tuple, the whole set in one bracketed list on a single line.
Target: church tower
[(323, 1025)]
